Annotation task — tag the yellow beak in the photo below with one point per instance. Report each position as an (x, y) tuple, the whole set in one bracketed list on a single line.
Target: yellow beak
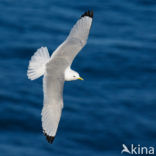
[(80, 78)]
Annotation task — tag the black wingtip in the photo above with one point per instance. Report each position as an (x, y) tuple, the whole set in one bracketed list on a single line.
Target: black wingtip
[(88, 13), (50, 139)]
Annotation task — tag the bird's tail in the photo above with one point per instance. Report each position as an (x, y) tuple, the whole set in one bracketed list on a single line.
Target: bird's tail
[(37, 63)]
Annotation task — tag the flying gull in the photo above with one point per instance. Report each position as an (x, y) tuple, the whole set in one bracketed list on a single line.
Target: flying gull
[(57, 69)]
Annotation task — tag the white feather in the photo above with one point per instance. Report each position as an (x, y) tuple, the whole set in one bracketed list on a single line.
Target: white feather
[(37, 63)]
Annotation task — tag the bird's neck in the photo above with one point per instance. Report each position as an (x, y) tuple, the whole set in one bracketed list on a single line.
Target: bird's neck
[(67, 74)]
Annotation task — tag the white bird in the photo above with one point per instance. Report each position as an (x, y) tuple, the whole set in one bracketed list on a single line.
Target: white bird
[(57, 69)]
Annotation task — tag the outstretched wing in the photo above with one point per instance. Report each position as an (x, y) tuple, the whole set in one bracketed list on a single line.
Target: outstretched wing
[(76, 39), (53, 83), (52, 108)]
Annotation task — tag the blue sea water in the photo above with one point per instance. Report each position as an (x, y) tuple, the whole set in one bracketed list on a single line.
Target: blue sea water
[(115, 105)]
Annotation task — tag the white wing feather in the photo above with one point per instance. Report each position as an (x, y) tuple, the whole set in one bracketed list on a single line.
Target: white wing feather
[(75, 40), (81, 29), (53, 84)]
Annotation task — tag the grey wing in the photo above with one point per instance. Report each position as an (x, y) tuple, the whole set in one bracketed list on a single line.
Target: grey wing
[(76, 39), (53, 83)]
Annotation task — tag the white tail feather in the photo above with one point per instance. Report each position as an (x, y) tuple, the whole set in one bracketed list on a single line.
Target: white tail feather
[(37, 63)]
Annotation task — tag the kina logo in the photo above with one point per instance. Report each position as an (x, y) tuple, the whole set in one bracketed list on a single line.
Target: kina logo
[(137, 150)]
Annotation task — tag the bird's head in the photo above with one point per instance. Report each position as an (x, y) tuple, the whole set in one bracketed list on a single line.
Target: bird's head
[(72, 75)]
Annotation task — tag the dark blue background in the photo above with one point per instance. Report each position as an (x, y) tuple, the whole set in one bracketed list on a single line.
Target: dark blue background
[(115, 104)]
